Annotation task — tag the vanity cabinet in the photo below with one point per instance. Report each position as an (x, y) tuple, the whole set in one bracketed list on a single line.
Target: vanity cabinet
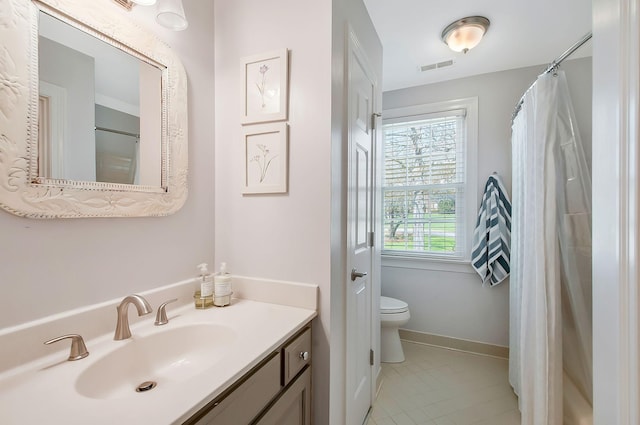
[(275, 392), (293, 406)]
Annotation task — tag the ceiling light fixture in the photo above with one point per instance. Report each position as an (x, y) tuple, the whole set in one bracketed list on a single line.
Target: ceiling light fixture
[(169, 13), (465, 34)]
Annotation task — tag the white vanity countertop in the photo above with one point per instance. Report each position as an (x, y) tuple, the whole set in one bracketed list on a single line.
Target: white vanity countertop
[(45, 390)]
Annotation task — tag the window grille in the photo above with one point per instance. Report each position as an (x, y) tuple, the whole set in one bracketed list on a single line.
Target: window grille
[(425, 185)]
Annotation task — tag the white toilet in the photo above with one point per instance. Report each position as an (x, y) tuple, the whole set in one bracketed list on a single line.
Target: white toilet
[(393, 314)]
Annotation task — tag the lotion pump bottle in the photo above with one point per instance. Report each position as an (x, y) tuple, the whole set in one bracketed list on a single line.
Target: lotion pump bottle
[(222, 287), (203, 297)]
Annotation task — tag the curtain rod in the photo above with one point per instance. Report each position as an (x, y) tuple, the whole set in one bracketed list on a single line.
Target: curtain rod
[(137, 136), (552, 67)]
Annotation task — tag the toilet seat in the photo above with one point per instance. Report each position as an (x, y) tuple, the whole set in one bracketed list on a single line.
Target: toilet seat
[(390, 305)]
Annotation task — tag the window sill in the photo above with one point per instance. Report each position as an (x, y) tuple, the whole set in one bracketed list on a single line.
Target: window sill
[(434, 264)]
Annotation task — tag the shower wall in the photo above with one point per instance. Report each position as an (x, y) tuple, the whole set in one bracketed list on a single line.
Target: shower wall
[(451, 301)]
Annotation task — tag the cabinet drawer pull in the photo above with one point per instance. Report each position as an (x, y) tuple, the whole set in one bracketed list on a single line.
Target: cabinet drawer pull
[(297, 355)]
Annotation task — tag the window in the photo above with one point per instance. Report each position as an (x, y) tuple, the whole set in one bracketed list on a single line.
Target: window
[(429, 185)]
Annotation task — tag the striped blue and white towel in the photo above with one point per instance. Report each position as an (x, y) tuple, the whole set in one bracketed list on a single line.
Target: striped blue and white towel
[(492, 237)]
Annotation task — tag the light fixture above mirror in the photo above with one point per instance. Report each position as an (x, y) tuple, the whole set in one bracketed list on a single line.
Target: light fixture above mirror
[(465, 34), (169, 13)]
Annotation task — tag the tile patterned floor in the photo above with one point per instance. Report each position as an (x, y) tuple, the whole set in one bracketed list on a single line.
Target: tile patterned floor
[(436, 386)]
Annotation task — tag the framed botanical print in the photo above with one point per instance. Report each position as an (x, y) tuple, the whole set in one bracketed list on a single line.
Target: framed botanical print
[(265, 87), (266, 156)]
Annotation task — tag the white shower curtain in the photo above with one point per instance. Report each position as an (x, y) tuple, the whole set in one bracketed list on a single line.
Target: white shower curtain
[(550, 289)]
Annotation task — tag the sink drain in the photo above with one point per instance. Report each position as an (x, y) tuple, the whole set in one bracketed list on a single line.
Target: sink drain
[(146, 386)]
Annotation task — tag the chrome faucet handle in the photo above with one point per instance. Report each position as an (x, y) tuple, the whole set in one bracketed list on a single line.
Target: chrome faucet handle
[(161, 314), (78, 349)]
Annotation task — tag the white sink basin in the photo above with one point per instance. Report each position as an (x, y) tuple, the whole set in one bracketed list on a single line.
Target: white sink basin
[(166, 357)]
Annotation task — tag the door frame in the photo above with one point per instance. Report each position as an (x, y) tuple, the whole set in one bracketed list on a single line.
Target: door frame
[(53, 121), (616, 212)]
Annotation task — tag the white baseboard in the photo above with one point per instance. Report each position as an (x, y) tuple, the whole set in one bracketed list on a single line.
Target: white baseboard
[(455, 343)]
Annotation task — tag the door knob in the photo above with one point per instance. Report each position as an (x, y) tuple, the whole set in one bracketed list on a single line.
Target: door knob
[(356, 274)]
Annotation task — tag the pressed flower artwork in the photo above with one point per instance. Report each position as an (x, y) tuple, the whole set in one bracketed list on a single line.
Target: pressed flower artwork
[(265, 149), (265, 87), (262, 86), (263, 160), (263, 96)]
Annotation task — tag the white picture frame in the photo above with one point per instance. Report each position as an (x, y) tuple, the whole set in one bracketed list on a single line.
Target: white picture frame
[(266, 158), (265, 87)]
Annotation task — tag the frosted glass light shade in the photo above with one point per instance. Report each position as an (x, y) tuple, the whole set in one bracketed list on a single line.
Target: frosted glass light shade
[(170, 15), (144, 2), (465, 33)]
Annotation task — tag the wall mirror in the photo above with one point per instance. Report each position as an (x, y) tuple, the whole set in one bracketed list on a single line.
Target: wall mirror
[(93, 113)]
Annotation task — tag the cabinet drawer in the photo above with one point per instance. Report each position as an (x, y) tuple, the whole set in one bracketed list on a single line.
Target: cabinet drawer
[(248, 399), (297, 355)]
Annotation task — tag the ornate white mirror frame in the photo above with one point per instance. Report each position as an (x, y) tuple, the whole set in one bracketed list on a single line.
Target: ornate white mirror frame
[(22, 191)]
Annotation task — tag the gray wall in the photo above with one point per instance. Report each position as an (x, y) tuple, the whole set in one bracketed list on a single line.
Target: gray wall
[(73, 71), (50, 266), (451, 303)]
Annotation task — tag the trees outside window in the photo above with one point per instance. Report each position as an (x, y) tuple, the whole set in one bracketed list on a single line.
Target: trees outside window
[(424, 183)]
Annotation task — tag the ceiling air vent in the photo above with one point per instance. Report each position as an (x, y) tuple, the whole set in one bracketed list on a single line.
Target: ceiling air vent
[(436, 65)]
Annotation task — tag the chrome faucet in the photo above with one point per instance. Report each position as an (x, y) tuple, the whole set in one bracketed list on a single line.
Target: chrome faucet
[(122, 327)]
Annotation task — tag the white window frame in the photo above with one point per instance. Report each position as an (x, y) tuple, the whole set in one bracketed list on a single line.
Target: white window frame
[(431, 261)]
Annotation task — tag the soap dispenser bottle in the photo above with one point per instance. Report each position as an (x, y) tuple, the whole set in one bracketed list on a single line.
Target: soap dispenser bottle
[(222, 287), (203, 297)]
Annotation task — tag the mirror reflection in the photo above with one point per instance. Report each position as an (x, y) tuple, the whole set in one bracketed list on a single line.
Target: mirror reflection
[(99, 109)]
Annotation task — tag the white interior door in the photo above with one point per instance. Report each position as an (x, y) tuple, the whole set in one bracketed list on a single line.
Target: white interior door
[(359, 370)]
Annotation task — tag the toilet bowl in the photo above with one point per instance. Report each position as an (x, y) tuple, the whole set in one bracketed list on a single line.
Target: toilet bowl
[(393, 314)]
